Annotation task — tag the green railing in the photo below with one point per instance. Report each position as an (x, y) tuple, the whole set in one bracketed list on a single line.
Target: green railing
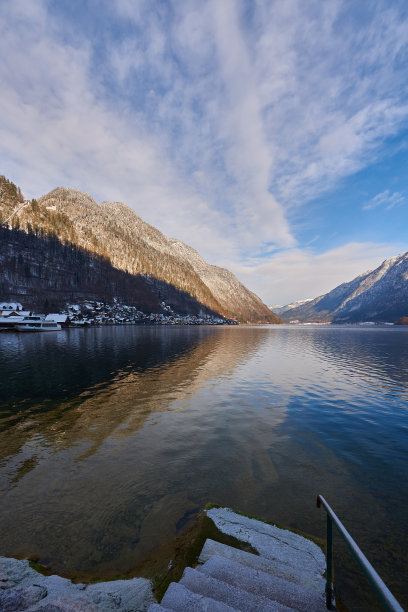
[(377, 584)]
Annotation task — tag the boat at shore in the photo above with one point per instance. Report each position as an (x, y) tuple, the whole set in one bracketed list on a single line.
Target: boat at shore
[(38, 326), (11, 322)]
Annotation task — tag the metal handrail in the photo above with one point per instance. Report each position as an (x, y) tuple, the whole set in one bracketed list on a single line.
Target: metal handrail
[(378, 585)]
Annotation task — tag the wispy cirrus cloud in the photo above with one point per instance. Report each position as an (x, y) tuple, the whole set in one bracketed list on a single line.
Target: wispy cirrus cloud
[(332, 86), (60, 131), (292, 273), (216, 121), (385, 199)]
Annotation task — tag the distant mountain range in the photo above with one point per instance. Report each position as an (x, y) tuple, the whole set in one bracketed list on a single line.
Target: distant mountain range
[(380, 295), (278, 308), (116, 245)]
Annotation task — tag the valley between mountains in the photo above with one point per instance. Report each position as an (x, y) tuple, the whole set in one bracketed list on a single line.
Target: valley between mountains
[(66, 247)]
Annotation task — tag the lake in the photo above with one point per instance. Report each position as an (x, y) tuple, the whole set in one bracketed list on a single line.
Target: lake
[(112, 439)]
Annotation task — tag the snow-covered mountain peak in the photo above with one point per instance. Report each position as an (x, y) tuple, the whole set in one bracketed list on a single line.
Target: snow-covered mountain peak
[(377, 295)]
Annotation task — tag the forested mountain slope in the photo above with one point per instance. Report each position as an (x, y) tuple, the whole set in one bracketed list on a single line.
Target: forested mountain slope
[(113, 231)]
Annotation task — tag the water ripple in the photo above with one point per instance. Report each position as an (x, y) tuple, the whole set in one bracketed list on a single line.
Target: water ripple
[(110, 438)]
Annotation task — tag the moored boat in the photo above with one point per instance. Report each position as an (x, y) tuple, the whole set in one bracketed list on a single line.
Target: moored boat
[(38, 326), (9, 323)]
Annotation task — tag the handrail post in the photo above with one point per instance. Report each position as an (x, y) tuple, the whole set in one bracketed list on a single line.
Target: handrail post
[(378, 585), (329, 558)]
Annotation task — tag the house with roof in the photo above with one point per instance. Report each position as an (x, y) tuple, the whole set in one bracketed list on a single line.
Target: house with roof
[(62, 319), (12, 309)]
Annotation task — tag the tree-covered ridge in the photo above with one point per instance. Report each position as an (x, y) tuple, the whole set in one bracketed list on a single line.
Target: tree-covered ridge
[(45, 274), (9, 192), (114, 231), (74, 217), (10, 198)]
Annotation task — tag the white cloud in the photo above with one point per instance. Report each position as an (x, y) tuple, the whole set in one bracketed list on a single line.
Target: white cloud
[(302, 273), (59, 133), (332, 83), (248, 155), (385, 199), (125, 57), (213, 120)]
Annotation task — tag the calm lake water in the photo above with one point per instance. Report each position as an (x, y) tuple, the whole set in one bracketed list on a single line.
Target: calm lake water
[(112, 439)]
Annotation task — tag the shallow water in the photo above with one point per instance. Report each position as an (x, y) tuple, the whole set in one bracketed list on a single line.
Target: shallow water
[(111, 439)]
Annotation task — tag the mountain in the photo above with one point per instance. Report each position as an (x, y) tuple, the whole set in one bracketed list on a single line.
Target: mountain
[(113, 233), (380, 295), (45, 275), (279, 309), (230, 293)]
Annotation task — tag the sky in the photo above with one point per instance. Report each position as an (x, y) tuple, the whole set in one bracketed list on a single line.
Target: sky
[(270, 135)]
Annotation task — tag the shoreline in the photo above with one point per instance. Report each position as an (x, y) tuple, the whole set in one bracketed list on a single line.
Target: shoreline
[(143, 585)]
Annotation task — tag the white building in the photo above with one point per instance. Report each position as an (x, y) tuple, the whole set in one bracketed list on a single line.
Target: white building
[(8, 309), (62, 319)]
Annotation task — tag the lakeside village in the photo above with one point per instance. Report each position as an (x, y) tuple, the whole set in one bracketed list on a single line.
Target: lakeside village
[(13, 317)]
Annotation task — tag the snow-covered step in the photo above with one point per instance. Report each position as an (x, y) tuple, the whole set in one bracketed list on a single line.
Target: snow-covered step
[(299, 575), (263, 584), (180, 599), (200, 583), (270, 541)]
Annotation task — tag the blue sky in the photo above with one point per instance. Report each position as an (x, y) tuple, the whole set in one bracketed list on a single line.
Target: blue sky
[(270, 135)]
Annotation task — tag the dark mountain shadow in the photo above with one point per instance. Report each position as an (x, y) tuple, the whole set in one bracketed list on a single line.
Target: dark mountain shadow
[(44, 274)]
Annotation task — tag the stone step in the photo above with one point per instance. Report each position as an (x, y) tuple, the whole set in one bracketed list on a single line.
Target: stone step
[(198, 582), (301, 576), (180, 599), (158, 608), (262, 584), (270, 541), (22, 588)]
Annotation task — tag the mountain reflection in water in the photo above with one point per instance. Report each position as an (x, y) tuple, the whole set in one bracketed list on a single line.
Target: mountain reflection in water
[(90, 478), (111, 438)]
